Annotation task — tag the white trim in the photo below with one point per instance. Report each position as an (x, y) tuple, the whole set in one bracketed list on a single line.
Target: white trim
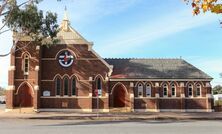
[(63, 97), (11, 68), (36, 68), (10, 87), (63, 110), (119, 83), (126, 79), (169, 98), (165, 86), (188, 92), (36, 87), (131, 95), (146, 110), (157, 95), (182, 84), (101, 97), (175, 90), (144, 98), (37, 47), (182, 95), (200, 86), (8, 110), (173, 110), (65, 49), (148, 89), (140, 89), (101, 110), (22, 85)]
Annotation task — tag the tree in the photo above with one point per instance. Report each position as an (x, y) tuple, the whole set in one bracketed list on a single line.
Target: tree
[(25, 19), (2, 91), (217, 89), (203, 6)]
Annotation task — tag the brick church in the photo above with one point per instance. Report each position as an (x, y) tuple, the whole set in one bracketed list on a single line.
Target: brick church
[(72, 76)]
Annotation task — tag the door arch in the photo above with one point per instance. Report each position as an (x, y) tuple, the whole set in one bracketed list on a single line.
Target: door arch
[(25, 96), (120, 96)]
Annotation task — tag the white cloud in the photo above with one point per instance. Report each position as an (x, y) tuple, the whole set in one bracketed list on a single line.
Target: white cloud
[(153, 30), (92, 10), (211, 66)]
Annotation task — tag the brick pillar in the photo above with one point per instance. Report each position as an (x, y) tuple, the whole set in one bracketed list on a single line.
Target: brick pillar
[(37, 81), (157, 95), (209, 99), (11, 84), (131, 95), (182, 95)]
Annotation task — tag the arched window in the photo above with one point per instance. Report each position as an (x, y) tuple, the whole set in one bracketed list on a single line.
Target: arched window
[(73, 86), (26, 64), (140, 89), (99, 86), (190, 90), (58, 86), (165, 90), (148, 90), (198, 90), (173, 90), (66, 86)]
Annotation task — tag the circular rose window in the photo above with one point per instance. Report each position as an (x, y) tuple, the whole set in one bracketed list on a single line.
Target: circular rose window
[(65, 58)]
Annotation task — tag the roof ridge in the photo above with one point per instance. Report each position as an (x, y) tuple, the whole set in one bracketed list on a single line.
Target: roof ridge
[(135, 58)]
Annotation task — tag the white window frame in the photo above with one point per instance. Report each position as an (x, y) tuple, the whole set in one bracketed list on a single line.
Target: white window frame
[(190, 86), (140, 89), (173, 86), (148, 90), (198, 86), (99, 90), (26, 58), (165, 87)]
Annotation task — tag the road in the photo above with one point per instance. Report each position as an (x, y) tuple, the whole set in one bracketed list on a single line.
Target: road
[(20, 126)]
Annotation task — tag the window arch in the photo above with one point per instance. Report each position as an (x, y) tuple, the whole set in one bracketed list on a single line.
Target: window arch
[(66, 86), (99, 86), (198, 90), (190, 90), (165, 90), (58, 86), (73, 86), (173, 90), (148, 90), (140, 89), (26, 64)]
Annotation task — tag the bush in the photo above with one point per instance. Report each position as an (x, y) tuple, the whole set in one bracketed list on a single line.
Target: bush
[(218, 103), (2, 91)]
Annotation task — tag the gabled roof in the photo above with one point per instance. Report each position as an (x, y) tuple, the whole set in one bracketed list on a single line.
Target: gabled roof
[(68, 35), (155, 69)]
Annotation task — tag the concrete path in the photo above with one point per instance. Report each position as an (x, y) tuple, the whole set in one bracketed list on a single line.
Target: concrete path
[(110, 116)]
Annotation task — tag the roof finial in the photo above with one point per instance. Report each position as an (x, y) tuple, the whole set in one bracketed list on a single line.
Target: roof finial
[(65, 15), (65, 23)]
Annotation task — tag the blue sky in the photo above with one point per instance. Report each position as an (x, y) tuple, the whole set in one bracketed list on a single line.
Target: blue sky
[(142, 29)]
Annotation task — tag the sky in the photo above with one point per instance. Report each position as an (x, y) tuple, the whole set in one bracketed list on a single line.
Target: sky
[(139, 29)]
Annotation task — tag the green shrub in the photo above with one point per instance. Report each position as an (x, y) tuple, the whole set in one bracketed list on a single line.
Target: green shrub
[(218, 103)]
